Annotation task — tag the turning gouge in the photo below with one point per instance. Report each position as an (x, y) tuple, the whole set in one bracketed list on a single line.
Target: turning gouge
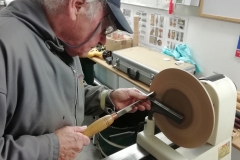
[(106, 121)]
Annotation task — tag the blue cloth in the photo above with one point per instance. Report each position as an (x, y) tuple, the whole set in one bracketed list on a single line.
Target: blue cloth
[(181, 52)]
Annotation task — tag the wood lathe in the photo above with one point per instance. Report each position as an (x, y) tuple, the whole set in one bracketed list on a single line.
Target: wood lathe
[(208, 106)]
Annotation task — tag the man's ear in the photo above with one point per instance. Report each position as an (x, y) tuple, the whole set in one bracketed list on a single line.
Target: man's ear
[(74, 7)]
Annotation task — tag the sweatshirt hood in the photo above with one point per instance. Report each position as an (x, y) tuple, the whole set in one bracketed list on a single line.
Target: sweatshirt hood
[(30, 12)]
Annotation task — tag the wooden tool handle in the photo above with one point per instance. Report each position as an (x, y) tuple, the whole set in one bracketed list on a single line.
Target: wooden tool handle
[(238, 92), (238, 106), (100, 124), (238, 97)]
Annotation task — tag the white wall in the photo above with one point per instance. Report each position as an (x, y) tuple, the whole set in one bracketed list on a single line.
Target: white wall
[(213, 44), (8, 1)]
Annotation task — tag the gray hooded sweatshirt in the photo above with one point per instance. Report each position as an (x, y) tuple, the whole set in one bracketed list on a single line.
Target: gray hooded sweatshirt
[(41, 86)]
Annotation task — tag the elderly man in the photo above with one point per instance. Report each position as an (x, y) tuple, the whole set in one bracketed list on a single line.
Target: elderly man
[(43, 98)]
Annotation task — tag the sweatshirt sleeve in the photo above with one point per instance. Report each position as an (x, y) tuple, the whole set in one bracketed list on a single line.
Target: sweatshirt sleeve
[(44, 147), (96, 99)]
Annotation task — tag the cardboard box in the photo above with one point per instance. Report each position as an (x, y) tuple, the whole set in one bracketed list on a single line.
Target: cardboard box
[(113, 44)]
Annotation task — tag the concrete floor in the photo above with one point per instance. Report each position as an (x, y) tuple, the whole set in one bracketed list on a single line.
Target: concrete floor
[(235, 154), (89, 152)]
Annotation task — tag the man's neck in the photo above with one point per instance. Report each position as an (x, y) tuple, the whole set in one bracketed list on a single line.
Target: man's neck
[(58, 23)]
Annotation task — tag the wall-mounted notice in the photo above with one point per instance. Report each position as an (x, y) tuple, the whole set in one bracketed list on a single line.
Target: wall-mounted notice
[(146, 3), (157, 29), (176, 32), (143, 25), (163, 4), (128, 15), (238, 49), (159, 4), (188, 2), (165, 30)]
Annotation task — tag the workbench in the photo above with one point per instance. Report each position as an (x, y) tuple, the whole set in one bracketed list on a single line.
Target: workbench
[(139, 152)]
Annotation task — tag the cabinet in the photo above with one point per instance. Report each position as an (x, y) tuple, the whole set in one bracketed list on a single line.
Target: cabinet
[(105, 76), (123, 83), (112, 80)]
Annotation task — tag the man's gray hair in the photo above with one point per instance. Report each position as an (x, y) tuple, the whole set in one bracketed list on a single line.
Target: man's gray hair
[(53, 6), (56, 6)]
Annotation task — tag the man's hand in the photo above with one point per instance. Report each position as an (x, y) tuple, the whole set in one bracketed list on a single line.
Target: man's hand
[(71, 141), (125, 96)]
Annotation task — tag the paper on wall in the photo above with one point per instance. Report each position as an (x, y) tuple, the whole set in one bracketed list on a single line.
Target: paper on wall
[(143, 25), (176, 31), (188, 2), (195, 2), (157, 30), (166, 30), (159, 4), (128, 15), (163, 4)]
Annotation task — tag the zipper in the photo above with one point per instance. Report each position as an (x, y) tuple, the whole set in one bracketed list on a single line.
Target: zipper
[(76, 92), (76, 84)]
